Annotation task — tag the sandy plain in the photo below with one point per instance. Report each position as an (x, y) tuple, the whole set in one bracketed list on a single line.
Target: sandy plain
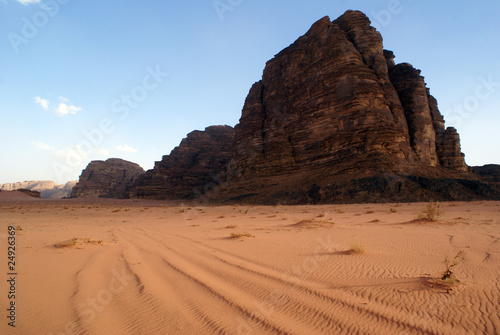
[(152, 267)]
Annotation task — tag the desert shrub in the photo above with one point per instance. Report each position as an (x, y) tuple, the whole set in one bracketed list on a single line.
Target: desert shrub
[(448, 276), (76, 240), (240, 235), (356, 248), (431, 212)]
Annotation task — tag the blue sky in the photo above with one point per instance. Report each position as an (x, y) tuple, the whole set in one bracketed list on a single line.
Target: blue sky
[(85, 80)]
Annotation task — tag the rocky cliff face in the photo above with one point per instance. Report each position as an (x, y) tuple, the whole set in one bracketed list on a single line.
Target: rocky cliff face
[(107, 179), (334, 119), (189, 168), (490, 173)]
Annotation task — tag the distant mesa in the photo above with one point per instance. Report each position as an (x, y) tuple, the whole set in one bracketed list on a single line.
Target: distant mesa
[(107, 179), (48, 189), (333, 120)]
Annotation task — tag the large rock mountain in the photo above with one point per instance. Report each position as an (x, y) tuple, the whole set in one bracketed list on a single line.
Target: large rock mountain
[(107, 179), (334, 119), (189, 168)]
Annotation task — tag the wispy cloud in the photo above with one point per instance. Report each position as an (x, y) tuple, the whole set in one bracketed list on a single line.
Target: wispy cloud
[(126, 148), (65, 107), (28, 2), (42, 146), (42, 102), (101, 152)]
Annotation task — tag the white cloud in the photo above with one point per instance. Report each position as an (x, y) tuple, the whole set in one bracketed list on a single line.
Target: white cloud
[(101, 152), (42, 102), (42, 146), (66, 108), (28, 2), (126, 148)]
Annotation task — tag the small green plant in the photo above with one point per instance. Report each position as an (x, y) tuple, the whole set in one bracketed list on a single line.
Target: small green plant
[(431, 212), (448, 276), (231, 226), (356, 248)]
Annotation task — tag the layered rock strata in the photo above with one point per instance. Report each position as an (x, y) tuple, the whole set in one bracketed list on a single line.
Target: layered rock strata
[(334, 119), (190, 169), (107, 179)]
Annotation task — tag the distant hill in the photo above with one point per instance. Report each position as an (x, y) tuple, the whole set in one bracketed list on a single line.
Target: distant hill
[(47, 188)]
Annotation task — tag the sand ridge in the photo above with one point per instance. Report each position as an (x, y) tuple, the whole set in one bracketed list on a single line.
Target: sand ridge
[(150, 267)]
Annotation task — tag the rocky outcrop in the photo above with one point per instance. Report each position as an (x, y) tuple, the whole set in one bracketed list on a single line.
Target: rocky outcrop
[(48, 189), (107, 179), (335, 119), (190, 167), (432, 144), (490, 173)]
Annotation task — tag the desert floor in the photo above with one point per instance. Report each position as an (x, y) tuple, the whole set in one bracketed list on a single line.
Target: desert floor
[(148, 267)]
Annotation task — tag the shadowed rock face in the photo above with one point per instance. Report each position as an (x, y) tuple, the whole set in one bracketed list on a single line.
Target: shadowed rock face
[(107, 179), (334, 119), (189, 168), (490, 173), (334, 107)]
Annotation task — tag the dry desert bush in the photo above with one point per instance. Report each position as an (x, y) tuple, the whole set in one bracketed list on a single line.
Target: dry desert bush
[(75, 241), (240, 235), (448, 276), (356, 248), (431, 212)]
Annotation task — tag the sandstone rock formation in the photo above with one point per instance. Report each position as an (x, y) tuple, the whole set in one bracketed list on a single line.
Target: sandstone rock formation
[(189, 168), (490, 173), (107, 179), (334, 119), (48, 189)]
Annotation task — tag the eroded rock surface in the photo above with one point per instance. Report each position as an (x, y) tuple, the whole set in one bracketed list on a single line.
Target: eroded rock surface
[(190, 168), (107, 179)]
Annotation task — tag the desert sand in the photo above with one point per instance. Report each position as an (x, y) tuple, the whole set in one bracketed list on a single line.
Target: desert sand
[(151, 267)]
